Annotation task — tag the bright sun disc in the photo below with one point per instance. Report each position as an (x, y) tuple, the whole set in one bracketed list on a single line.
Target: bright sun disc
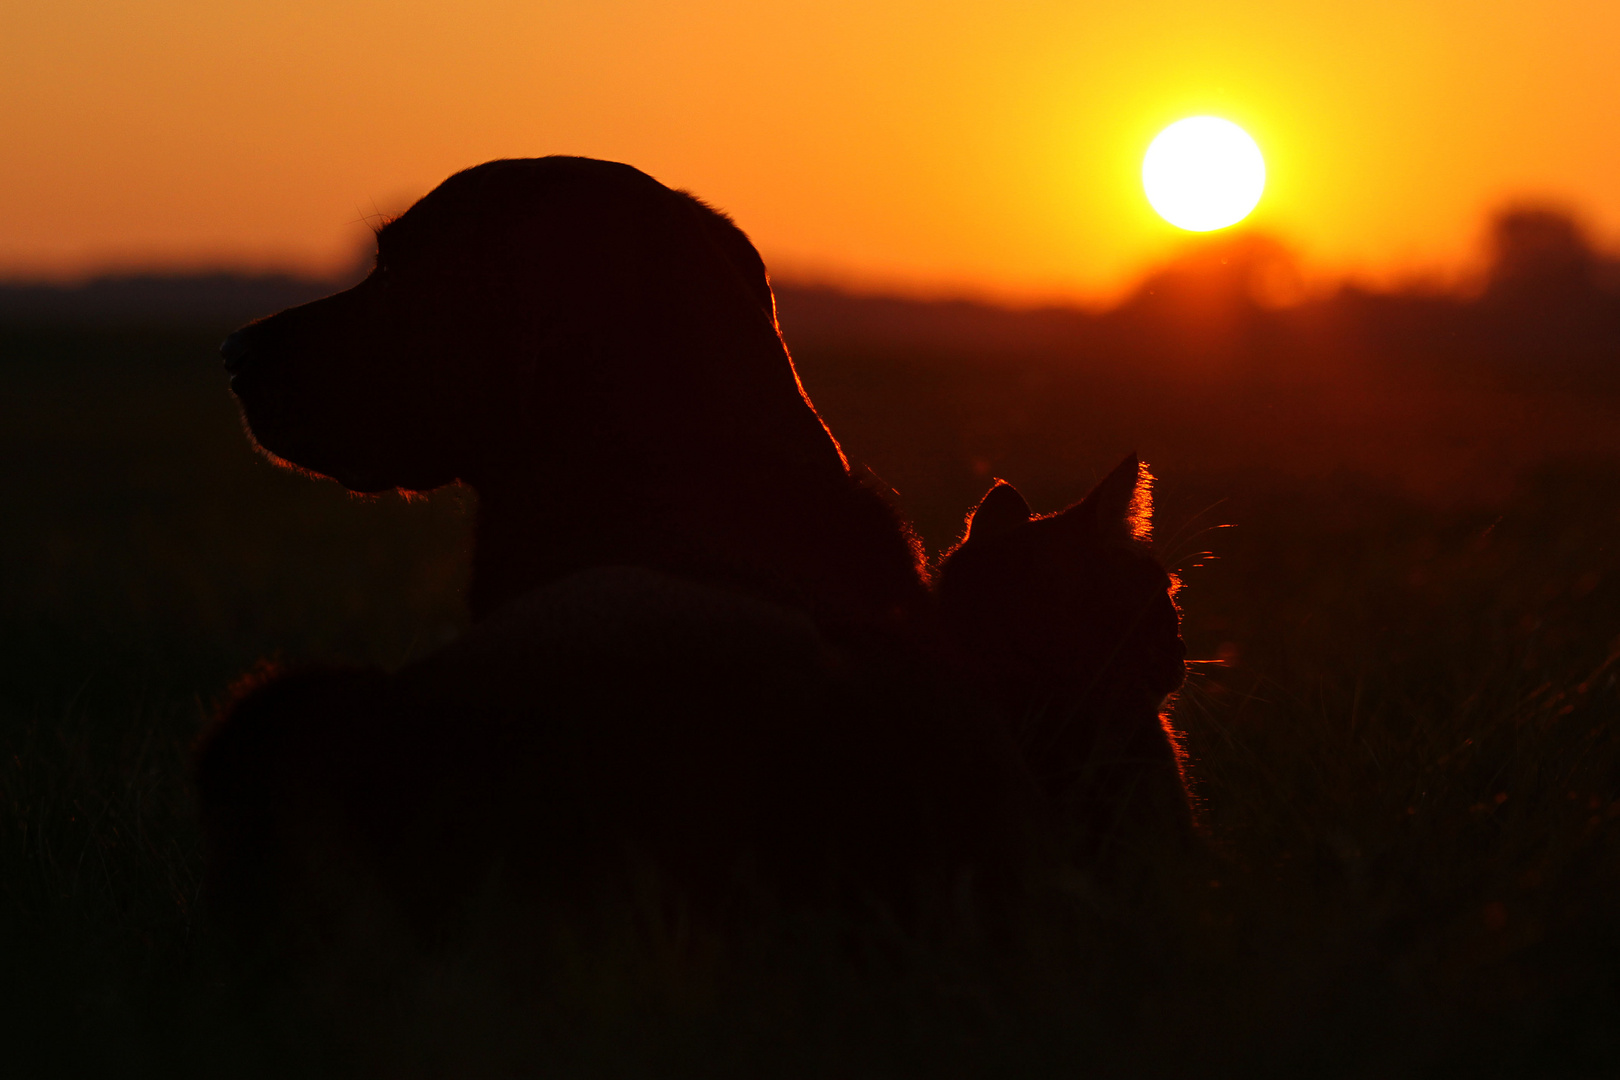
[(1203, 173)]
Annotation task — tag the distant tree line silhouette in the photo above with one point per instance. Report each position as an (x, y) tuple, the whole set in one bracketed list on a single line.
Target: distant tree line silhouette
[(1544, 315)]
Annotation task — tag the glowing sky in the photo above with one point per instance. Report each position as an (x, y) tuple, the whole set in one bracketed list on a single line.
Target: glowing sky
[(939, 145)]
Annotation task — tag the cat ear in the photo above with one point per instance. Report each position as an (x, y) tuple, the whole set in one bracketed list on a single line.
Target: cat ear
[(1118, 509), (1000, 512)]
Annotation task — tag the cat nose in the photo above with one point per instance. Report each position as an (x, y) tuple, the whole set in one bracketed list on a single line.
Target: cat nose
[(234, 350)]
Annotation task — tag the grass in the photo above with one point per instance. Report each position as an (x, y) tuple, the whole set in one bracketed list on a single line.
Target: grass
[(1412, 772), (1408, 757)]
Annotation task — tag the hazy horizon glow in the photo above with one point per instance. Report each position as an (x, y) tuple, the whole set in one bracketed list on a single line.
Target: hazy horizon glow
[(943, 147)]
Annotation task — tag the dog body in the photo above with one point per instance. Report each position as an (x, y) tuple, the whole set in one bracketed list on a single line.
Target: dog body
[(696, 637), (616, 722)]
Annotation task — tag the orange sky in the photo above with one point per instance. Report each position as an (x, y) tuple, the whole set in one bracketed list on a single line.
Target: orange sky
[(942, 146)]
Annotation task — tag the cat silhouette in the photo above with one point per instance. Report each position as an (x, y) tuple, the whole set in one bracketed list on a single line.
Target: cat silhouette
[(1071, 625)]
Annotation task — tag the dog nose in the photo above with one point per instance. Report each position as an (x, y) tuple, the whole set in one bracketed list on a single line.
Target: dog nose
[(235, 351)]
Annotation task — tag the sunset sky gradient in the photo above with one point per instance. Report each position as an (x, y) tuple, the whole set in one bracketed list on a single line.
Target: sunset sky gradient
[(938, 147)]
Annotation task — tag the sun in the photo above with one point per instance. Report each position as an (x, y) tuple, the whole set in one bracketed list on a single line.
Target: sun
[(1203, 173)]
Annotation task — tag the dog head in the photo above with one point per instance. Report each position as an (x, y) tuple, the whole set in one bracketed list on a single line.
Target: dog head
[(558, 314)]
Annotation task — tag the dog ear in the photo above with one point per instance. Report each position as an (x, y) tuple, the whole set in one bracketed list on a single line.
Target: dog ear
[(1118, 510), (1001, 511)]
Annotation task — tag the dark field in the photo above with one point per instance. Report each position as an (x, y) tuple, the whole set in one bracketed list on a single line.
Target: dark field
[(1403, 720)]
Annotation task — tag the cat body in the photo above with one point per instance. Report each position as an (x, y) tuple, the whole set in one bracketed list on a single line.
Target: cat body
[(1071, 624)]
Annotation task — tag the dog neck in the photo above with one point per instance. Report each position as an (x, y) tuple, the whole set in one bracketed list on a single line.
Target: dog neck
[(833, 548)]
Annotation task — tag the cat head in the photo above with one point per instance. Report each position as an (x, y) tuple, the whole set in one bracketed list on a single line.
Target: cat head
[(1071, 605)]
